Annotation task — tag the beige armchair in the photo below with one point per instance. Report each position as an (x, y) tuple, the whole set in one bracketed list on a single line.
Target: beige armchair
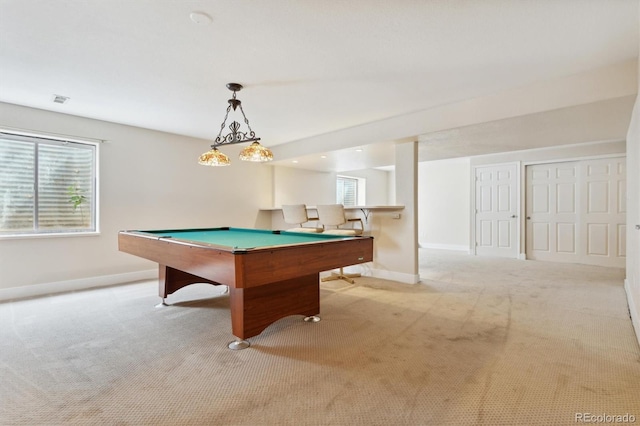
[(333, 219), (296, 214)]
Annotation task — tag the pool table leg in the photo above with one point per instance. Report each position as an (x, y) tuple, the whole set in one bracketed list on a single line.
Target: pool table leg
[(253, 309), (171, 280)]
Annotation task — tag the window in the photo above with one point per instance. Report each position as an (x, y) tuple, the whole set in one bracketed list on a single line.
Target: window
[(47, 186), (347, 191)]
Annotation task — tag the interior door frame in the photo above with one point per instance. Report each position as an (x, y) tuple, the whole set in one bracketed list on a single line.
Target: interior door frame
[(518, 202)]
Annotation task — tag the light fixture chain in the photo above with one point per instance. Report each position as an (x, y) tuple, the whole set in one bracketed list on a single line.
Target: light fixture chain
[(223, 123), (247, 122)]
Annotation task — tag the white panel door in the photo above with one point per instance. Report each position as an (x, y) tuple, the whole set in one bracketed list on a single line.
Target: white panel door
[(552, 203), (603, 224), (576, 212), (496, 206)]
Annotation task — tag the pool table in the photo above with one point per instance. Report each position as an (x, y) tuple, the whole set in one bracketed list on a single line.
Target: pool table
[(270, 274)]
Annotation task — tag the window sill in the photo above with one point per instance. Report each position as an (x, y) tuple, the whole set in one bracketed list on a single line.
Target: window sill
[(50, 235)]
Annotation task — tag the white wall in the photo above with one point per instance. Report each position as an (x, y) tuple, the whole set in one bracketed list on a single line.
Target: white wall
[(377, 185), (148, 180), (632, 282), (299, 186), (391, 184), (396, 240), (444, 191)]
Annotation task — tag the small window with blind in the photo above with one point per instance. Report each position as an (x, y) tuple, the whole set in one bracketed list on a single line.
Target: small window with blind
[(47, 186), (347, 191)]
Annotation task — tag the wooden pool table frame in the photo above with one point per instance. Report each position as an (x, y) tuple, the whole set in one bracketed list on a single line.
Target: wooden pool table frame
[(265, 283)]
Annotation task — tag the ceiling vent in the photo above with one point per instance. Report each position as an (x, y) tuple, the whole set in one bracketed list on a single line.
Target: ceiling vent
[(60, 99)]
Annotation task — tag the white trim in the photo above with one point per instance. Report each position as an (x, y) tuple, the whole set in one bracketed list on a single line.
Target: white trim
[(472, 212), (454, 160), (72, 285), (55, 136), (522, 216), (571, 159), (520, 199), (396, 276), (50, 235), (445, 247), (633, 309), (554, 147), (366, 270)]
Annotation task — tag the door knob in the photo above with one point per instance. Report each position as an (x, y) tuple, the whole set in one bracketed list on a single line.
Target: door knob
[(528, 217), (513, 216), (638, 227)]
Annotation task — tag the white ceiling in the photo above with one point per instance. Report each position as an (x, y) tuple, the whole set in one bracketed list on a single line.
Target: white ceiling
[(308, 67)]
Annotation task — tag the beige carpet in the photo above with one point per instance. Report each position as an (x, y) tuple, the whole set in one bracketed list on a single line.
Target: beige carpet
[(479, 342)]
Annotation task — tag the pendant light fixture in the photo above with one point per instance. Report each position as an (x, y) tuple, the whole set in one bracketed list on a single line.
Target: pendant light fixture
[(254, 152)]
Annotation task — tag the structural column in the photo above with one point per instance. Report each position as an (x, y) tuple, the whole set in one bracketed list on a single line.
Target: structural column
[(397, 246)]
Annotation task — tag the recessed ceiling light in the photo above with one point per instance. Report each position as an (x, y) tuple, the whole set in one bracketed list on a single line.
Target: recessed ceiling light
[(323, 156), (59, 99), (294, 161), (200, 18), (359, 150)]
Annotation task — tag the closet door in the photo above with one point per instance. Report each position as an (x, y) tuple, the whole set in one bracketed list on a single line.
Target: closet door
[(603, 222), (575, 212), (552, 215)]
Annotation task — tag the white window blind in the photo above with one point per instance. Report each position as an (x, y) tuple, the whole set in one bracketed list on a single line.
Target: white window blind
[(347, 191), (46, 186)]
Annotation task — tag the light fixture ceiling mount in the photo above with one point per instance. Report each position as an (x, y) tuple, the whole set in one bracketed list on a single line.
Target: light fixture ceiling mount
[(255, 152)]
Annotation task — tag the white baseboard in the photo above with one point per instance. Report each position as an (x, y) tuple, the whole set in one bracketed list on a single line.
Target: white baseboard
[(633, 309), (72, 285), (445, 247), (396, 276), (367, 270)]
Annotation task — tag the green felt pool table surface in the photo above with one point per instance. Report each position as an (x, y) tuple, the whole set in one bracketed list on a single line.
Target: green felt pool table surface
[(242, 238)]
